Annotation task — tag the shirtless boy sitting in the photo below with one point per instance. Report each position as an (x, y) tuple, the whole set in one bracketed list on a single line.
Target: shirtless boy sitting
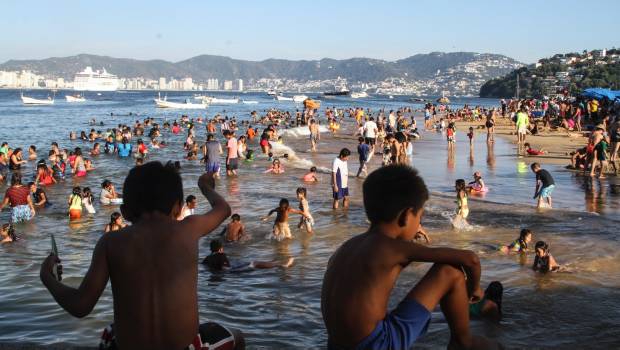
[(362, 272), (152, 266)]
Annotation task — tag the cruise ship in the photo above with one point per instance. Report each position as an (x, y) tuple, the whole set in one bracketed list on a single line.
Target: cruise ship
[(90, 80)]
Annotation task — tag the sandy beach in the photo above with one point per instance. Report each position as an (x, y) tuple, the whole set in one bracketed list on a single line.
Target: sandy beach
[(557, 143)]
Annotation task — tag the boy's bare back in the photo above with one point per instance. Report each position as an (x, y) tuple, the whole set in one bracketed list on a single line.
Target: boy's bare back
[(153, 272), (234, 231), (357, 285)]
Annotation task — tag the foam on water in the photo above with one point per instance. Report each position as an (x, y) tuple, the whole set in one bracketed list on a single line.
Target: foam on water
[(300, 131)]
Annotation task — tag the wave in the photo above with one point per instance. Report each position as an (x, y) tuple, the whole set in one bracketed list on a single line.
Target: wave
[(300, 131), (292, 160)]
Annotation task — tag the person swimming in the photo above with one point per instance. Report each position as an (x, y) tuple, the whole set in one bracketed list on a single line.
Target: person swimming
[(490, 307), (520, 244), (311, 176)]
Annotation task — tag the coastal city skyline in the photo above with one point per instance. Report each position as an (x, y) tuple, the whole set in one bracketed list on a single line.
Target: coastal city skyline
[(249, 31)]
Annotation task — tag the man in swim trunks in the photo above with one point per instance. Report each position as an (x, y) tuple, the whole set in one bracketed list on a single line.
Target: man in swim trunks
[(152, 267), (315, 135), (340, 178), (363, 271)]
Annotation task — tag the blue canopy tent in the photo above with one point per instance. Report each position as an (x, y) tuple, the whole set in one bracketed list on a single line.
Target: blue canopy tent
[(599, 94)]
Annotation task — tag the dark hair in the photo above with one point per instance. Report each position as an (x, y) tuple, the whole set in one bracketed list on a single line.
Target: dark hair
[(190, 198), (236, 217), (215, 245), (390, 190), (460, 185), (313, 169), (77, 190), (16, 179), (535, 165), (210, 137), (284, 203), (302, 190), (106, 183), (344, 153), (542, 245), (141, 194), (114, 216), (522, 235)]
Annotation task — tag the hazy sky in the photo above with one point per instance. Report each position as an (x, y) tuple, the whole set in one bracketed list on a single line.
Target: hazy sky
[(258, 29)]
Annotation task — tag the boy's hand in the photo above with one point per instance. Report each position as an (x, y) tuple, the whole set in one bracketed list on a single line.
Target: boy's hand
[(206, 181), (476, 295), (47, 268)]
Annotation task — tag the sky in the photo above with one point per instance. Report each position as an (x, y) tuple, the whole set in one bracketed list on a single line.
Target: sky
[(525, 30)]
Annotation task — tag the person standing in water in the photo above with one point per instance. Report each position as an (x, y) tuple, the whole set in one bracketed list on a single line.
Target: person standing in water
[(544, 185), (340, 178), (315, 134), (231, 156)]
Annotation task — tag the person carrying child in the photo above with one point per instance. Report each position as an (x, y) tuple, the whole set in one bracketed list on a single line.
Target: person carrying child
[(361, 274), (155, 301)]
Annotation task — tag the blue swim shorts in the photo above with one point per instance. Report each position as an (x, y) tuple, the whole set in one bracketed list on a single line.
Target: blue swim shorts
[(398, 330), (342, 192), (212, 167), (546, 191)]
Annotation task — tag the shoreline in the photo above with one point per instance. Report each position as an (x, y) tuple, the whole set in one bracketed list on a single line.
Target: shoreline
[(557, 144)]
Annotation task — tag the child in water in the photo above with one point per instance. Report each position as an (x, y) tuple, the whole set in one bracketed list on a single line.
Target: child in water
[(276, 167), (311, 176), (544, 261), (363, 271), (116, 223), (306, 220), (235, 230), (281, 229), (470, 135), (7, 234), (462, 210), (75, 204), (87, 200), (478, 184), (490, 307), (218, 261), (520, 244)]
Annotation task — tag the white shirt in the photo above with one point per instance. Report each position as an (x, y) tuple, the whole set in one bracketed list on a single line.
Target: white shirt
[(344, 172), (185, 212), (370, 129)]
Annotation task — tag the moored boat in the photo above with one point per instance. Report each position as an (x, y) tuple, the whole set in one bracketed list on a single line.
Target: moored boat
[(29, 101), (164, 103), (282, 98), (362, 94), (75, 98), (299, 98)]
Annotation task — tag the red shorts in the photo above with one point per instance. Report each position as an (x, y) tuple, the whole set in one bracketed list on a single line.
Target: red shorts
[(75, 214)]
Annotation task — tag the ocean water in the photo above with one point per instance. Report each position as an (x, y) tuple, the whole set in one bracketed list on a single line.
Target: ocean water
[(277, 308)]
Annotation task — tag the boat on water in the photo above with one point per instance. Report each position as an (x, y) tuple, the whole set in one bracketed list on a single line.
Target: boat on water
[(75, 98), (342, 91), (29, 101), (272, 92), (299, 98), (282, 98), (95, 80), (443, 99), (361, 94), (164, 103), (249, 102), (217, 101)]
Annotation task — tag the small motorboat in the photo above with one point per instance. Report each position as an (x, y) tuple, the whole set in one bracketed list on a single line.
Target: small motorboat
[(29, 101), (362, 94), (75, 98), (164, 103), (299, 98), (282, 98)]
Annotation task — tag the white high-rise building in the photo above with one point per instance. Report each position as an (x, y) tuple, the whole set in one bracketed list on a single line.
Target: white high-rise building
[(228, 85), (188, 84), (240, 84), (162, 83), (213, 84)]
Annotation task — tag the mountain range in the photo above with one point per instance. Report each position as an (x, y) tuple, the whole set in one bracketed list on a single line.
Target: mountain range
[(203, 67)]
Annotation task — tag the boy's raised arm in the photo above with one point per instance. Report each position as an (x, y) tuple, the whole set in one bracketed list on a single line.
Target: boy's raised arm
[(201, 225), (81, 301)]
